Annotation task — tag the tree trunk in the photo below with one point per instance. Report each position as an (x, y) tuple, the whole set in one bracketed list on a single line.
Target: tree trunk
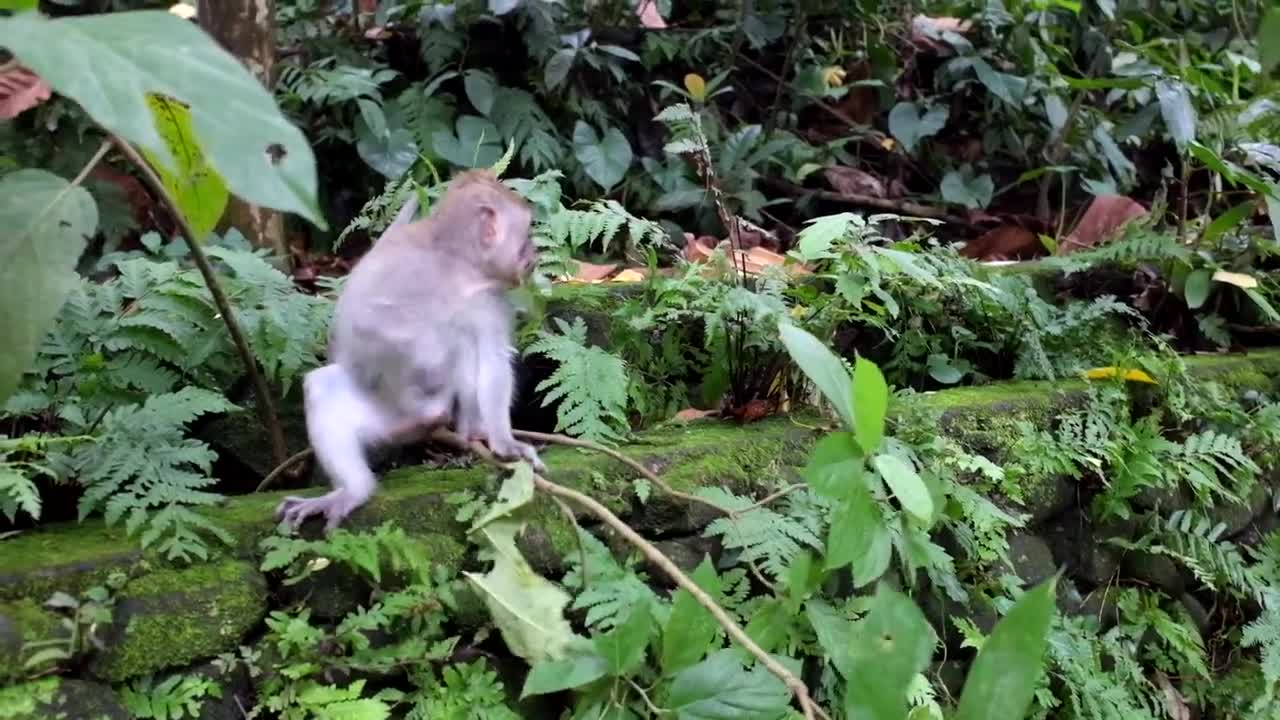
[(246, 28)]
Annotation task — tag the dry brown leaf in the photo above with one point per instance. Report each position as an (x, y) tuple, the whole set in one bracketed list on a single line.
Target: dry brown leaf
[(852, 181), (1104, 217), (690, 414), (21, 90), (1006, 242), (630, 275), (1174, 704), (591, 272)]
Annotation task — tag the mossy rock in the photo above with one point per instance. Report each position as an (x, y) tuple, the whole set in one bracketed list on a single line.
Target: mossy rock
[(22, 622), (61, 699), (171, 618)]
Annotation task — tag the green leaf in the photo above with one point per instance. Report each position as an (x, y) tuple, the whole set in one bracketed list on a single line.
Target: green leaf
[(197, 188), (47, 221), (835, 465), (890, 646), (1176, 109), (516, 493), (719, 688), (1196, 289), (576, 670), (1269, 40), (558, 67), (963, 189), (822, 367), (690, 629), (770, 624), (941, 368), (1227, 221), (910, 126), (834, 632), (476, 144), (906, 486), (481, 89), (1002, 679), (19, 5), (108, 63), (606, 159), (858, 535), (623, 648), (527, 608), (1056, 111), (870, 401)]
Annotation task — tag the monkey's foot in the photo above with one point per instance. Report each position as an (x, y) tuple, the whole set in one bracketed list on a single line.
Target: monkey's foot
[(516, 450), (335, 506)]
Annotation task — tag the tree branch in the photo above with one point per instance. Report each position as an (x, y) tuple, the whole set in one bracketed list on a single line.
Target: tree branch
[(266, 406)]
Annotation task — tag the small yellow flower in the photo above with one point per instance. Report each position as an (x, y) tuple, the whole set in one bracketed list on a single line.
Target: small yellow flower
[(696, 86), (833, 75)]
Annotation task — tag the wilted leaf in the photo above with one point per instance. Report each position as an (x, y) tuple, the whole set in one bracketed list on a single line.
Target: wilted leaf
[(527, 608), (47, 222), (196, 187), (516, 493), (109, 63), (1002, 679)]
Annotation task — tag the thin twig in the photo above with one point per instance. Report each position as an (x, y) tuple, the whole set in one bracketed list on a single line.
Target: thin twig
[(645, 697), (93, 162), (656, 556), (767, 499), (279, 469), (577, 536), (629, 462), (266, 407)]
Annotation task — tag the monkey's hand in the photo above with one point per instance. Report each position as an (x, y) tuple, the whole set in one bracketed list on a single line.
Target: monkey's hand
[(335, 506), (513, 449)]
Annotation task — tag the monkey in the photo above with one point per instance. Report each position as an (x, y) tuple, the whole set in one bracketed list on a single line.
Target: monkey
[(421, 337)]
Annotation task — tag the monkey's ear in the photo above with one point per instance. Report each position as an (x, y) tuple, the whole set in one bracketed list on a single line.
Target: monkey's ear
[(488, 226)]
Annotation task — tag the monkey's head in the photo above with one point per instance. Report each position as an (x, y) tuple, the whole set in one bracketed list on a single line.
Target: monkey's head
[(499, 244)]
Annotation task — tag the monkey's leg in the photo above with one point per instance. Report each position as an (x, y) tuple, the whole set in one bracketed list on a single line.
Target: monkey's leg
[(494, 392), (341, 421)]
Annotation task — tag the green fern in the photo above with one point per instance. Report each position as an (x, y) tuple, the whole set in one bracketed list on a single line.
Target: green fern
[(470, 691), (1195, 542), (376, 214), (590, 384), (144, 471), (608, 590), (763, 536), (174, 698)]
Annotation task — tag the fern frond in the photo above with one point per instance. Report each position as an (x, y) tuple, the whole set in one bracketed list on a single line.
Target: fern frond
[(590, 384)]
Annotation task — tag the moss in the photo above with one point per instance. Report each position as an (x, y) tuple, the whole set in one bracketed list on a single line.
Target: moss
[(21, 701), (172, 617), (66, 556), (24, 622), (1258, 370), (61, 699), (984, 418)]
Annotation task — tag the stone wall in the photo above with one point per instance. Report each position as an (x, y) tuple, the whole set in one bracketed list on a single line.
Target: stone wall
[(170, 618)]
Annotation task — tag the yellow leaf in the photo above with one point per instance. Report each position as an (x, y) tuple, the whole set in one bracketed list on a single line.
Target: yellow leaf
[(1240, 280), (887, 143), (198, 189), (696, 86), (833, 76), (1132, 375), (629, 276)]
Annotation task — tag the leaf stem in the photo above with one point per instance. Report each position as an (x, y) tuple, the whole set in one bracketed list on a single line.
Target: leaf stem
[(266, 406)]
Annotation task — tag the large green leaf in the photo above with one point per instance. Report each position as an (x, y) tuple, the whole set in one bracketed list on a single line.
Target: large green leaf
[(690, 629), (605, 158), (623, 648), (835, 465), (890, 646), (581, 666), (476, 144), (1002, 679), (909, 125), (109, 63), (47, 221), (199, 191), (822, 367), (858, 535), (1196, 289), (906, 485), (719, 688), (1269, 40), (870, 401)]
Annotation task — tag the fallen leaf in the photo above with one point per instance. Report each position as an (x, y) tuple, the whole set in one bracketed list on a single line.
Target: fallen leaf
[(1174, 704), (21, 90), (1132, 375), (1240, 280), (690, 414), (1005, 242), (1104, 217), (630, 275), (852, 181), (590, 272), (647, 11)]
